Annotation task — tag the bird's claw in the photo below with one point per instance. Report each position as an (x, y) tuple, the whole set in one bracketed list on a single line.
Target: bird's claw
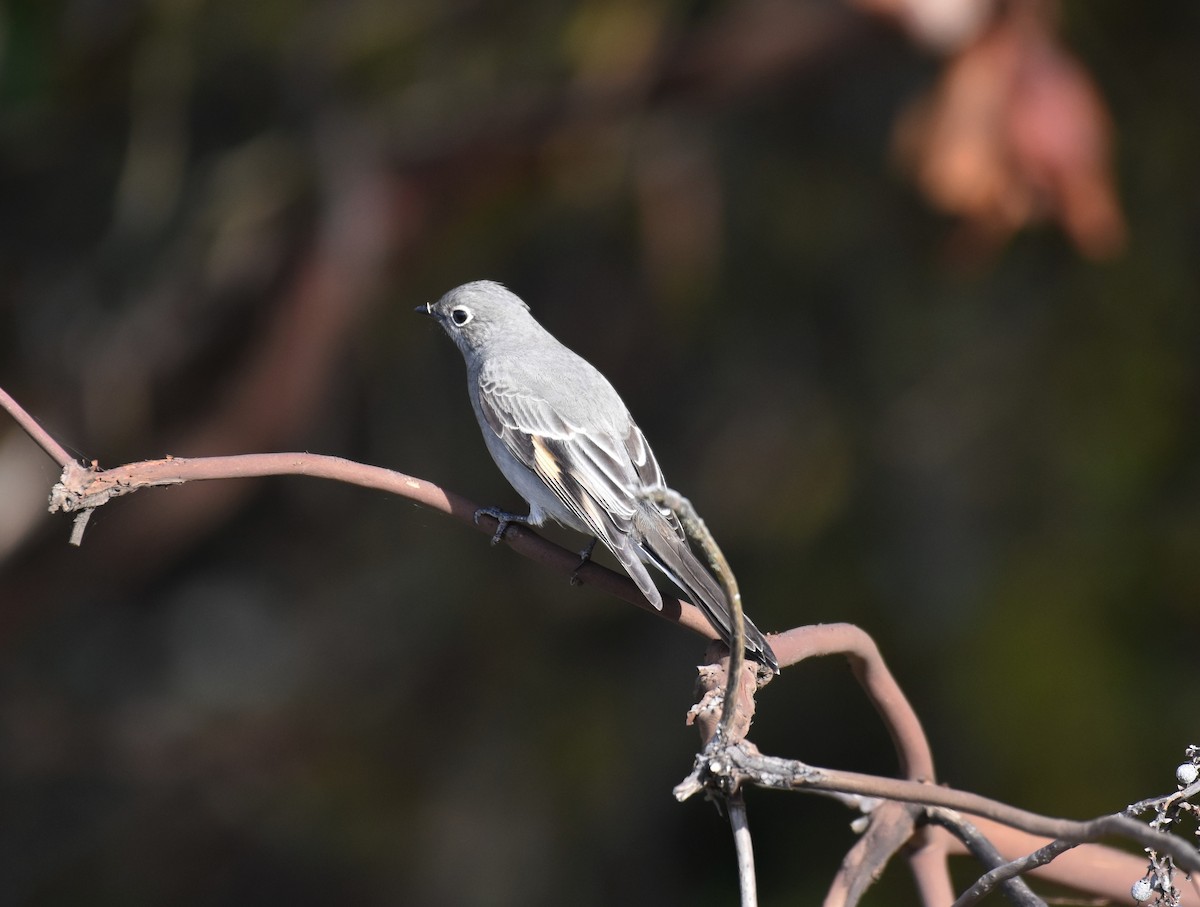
[(503, 521), (584, 556)]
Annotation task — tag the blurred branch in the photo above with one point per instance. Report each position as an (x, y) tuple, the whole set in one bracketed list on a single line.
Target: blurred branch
[(929, 867)]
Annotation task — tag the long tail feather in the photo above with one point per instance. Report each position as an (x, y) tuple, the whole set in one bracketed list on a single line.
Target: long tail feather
[(675, 558)]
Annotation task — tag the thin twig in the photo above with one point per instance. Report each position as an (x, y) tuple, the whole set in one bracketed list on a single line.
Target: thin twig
[(80, 525), (984, 851), (34, 430), (746, 764), (1091, 868), (694, 526), (1167, 800), (695, 529), (84, 488), (744, 847), (987, 882)]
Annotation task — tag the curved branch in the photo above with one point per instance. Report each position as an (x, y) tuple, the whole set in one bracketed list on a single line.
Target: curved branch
[(698, 532), (85, 488), (863, 863), (869, 668)]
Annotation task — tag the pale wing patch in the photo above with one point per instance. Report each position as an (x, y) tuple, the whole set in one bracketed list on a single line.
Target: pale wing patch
[(591, 473), (544, 461)]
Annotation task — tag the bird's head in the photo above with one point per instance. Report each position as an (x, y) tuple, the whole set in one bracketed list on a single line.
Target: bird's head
[(477, 313)]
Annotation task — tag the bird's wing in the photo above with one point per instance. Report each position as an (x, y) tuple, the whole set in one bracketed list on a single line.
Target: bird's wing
[(595, 471), (589, 470)]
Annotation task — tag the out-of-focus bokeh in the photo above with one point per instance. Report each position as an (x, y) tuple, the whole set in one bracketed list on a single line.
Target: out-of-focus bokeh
[(903, 292)]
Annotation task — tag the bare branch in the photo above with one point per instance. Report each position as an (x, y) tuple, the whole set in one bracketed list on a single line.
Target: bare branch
[(1017, 889), (744, 763), (863, 863), (713, 684), (82, 488), (930, 868), (987, 882), (744, 848), (869, 668), (1186, 792), (698, 532), (80, 526), (1089, 868), (891, 826), (31, 427)]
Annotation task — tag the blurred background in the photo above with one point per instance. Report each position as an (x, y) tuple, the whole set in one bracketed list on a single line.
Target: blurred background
[(902, 292)]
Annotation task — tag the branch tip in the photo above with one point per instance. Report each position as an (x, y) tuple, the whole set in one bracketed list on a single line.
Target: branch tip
[(80, 524)]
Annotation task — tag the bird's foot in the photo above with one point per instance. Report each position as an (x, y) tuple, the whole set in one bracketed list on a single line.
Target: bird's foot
[(584, 557), (503, 519)]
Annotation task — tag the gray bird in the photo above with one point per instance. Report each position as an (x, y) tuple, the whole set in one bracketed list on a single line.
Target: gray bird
[(565, 441)]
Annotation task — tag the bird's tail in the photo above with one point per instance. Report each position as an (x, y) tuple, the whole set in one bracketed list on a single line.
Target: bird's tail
[(675, 558)]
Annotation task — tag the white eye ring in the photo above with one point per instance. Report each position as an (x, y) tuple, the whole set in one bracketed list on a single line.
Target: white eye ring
[(461, 315)]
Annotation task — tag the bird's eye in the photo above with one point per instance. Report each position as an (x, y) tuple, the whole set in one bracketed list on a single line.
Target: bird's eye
[(460, 315)]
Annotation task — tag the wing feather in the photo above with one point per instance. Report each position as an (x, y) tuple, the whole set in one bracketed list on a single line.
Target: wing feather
[(589, 474), (595, 471)]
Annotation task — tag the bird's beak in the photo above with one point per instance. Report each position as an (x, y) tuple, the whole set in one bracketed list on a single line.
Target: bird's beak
[(426, 309)]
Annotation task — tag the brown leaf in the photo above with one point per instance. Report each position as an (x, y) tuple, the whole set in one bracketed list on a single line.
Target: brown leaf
[(1016, 132)]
